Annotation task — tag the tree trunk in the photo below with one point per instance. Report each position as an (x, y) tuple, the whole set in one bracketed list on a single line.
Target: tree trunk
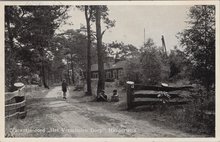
[(43, 70), (68, 73), (101, 73), (72, 75), (44, 76), (9, 56), (88, 74)]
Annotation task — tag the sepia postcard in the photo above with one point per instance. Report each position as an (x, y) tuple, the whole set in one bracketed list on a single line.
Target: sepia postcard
[(106, 70)]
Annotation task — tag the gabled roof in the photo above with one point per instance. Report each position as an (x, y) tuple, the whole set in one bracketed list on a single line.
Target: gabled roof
[(109, 65)]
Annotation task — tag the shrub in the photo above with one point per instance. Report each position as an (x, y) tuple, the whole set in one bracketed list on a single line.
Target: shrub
[(133, 71), (198, 116)]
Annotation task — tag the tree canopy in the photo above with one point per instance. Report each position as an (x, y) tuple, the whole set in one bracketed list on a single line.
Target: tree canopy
[(30, 30), (199, 43)]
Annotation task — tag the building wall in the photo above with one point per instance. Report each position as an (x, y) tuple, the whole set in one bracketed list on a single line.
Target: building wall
[(109, 74)]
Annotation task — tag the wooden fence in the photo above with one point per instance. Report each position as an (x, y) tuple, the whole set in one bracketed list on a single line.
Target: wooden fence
[(15, 104), (154, 94)]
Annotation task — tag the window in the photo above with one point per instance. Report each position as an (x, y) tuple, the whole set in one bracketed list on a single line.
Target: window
[(115, 74), (95, 75), (120, 73), (108, 74)]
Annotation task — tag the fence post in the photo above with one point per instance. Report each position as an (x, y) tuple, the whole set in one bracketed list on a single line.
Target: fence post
[(130, 94)]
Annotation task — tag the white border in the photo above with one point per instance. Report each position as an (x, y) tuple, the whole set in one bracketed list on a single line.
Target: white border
[(2, 131)]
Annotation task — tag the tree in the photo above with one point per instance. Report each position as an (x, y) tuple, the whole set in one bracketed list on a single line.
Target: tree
[(96, 14), (11, 51), (151, 63), (101, 72), (179, 65), (57, 64), (199, 43), (133, 71), (90, 17), (122, 50), (73, 44), (38, 27), (101, 12), (89, 14)]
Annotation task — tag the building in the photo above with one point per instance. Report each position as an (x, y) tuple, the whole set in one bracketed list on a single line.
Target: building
[(113, 70), (116, 71)]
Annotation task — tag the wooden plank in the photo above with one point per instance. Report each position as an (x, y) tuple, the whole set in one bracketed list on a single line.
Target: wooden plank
[(11, 101), (143, 87), (146, 99), (11, 116), (139, 95), (160, 88), (140, 103), (16, 115), (22, 114), (11, 95), (15, 105)]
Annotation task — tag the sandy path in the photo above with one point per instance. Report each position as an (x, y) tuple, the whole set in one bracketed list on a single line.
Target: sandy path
[(72, 118)]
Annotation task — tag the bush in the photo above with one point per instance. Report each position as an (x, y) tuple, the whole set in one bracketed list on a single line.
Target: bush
[(133, 71), (197, 116), (151, 65)]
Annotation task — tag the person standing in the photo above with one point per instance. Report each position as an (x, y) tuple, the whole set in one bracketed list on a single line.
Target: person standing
[(64, 88)]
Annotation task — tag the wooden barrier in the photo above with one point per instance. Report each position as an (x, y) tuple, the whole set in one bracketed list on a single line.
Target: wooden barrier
[(154, 94), (15, 104)]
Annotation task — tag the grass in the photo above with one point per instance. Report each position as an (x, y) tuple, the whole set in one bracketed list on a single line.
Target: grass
[(185, 117)]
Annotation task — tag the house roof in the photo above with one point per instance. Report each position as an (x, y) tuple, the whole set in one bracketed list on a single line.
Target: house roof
[(109, 65)]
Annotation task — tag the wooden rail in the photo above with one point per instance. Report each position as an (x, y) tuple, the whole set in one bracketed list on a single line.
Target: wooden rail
[(15, 103), (135, 91)]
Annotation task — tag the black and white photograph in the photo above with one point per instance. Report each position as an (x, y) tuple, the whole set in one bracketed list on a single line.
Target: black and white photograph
[(110, 70)]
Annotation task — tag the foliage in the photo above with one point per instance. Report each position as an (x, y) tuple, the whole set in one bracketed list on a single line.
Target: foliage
[(199, 43), (179, 64), (90, 11), (151, 63), (121, 50), (71, 47), (30, 30), (11, 49), (72, 43), (199, 114), (133, 71), (147, 65)]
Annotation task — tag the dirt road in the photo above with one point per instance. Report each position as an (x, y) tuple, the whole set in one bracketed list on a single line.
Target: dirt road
[(51, 116)]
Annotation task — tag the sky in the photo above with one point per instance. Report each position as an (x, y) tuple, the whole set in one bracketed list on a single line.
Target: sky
[(131, 20)]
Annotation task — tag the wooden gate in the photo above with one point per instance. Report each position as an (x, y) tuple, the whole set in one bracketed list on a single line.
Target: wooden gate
[(154, 94)]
